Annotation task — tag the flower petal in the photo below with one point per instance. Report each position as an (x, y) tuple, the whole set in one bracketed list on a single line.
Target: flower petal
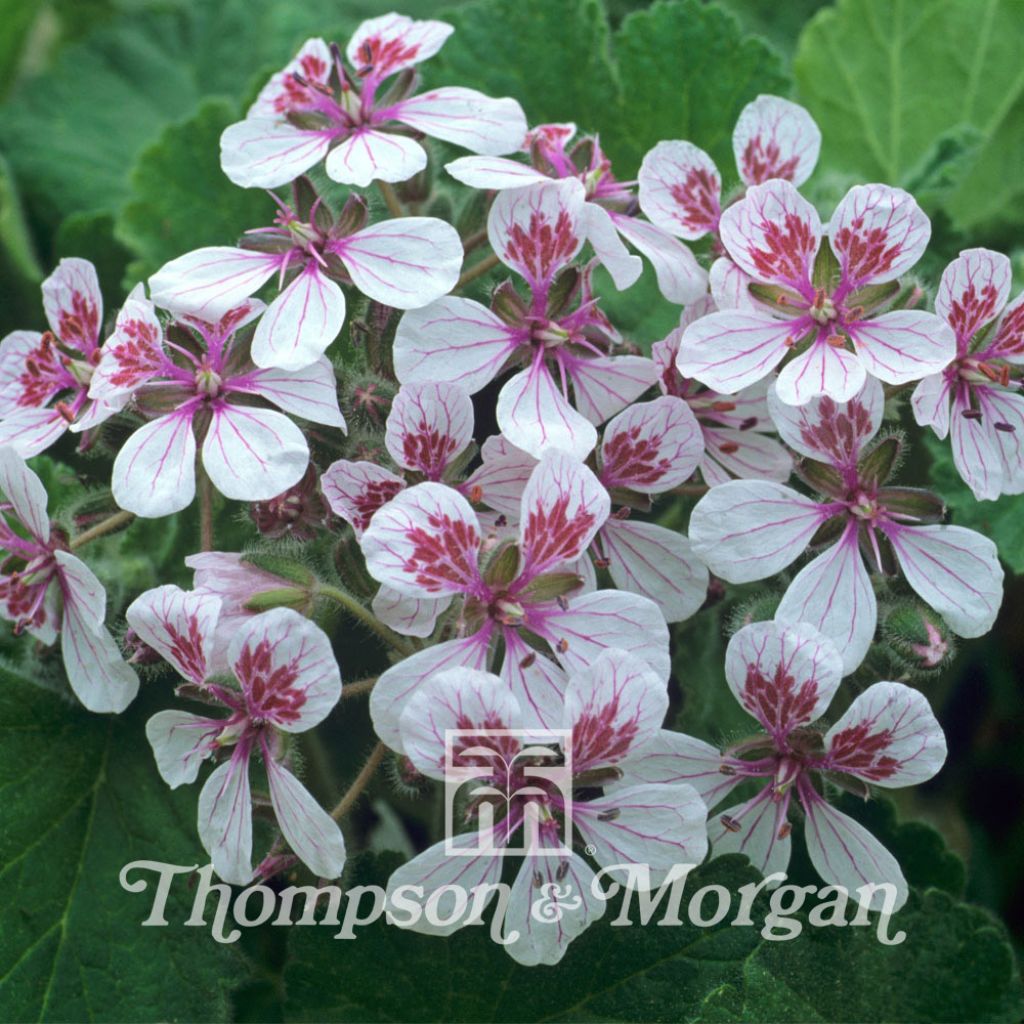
[(930, 403), (465, 118), (757, 828), (26, 493), (494, 172), (673, 757), (367, 156), (155, 470), (611, 253), (30, 373), (605, 385), (74, 304), (973, 290), (31, 431), (355, 490), (681, 279), (537, 683), (284, 93), (745, 454), (1008, 335), (680, 190), (265, 152), (311, 392), (225, 818), (1007, 408), (775, 138), (974, 445), (410, 616), (822, 370), (132, 355), (903, 346), (181, 742), (428, 427), (390, 43)]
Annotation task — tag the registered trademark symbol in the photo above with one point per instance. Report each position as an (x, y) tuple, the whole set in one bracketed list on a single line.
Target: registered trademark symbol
[(590, 849)]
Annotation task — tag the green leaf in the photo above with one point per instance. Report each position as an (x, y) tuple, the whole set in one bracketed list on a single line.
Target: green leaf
[(16, 20), (181, 199), (80, 798), (19, 268)]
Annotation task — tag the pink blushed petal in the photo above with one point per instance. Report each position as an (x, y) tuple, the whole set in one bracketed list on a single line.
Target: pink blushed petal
[(611, 253), (954, 570), (656, 563), (888, 737), (563, 507), (300, 323), (286, 669), (464, 117), (355, 490), (605, 385), (973, 442), (209, 282), (155, 470), (367, 156), (284, 94), (822, 370), (410, 616), (878, 233), (307, 827), (180, 626), (407, 262), (31, 431), (681, 279), (537, 683), (425, 543), (390, 43), (225, 818), (680, 189), (24, 490), (749, 530), (775, 138), (834, 594), (265, 152), (1008, 335), (181, 742), (773, 234), (428, 427), (494, 172), (756, 828), (30, 372), (132, 355), (253, 454), (903, 346), (973, 291), (74, 305), (930, 402), (455, 340), (311, 392)]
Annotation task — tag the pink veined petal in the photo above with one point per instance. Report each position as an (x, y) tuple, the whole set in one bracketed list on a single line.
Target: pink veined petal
[(775, 138), (834, 594), (494, 172), (845, 853), (827, 430), (265, 152), (606, 618), (211, 281), (930, 403), (973, 291), (954, 570), (283, 94), (613, 710), (387, 44), (407, 262), (878, 233), (1006, 408), (30, 374), (974, 445), (604, 385), (563, 507), (534, 415), (888, 736), (651, 447), (437, 868), (903, 346), (657, 826), (309, 829), (253, 454), (355, 490), (367, 156), (181, 742), (425, 542), (821, 370), (537, 230), (225, 818), (681, 279), (656, 563), (465, 118), (749, 530), (1008, 335), (537, 683), (286, 669), (455, 340), (730, 286), (457, 699), (132, 355), (311, 392), (540, 939), (74, 304), (773, 234), (179, 625), (155, 470), (410, 616), (30, 431), (612, 254), (757, 828), (301, 323), (731, 351), (783, 675), (95, 413), (501, 478), (394, 689), (428, 427), (24, 490), (680, 189), (745, 454)]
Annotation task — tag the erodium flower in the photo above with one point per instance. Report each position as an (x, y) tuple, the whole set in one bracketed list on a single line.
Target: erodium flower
[(613, 712), (819, 303), (196, 378), (317, 107), (44, 378), (284, 680), (406, 262), (751, 529), (522, 595), (610, 214), (535, 231), (49, 592), (975, 400), (786, 676)]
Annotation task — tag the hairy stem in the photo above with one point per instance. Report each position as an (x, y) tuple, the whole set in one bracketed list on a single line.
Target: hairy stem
[(474, 241), (359, 687), (362, 780), (391, 199), (101, 529), (477, 270), (205, 509), (358, 612)]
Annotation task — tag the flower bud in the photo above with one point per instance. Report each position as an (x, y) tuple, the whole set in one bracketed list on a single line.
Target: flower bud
[(298, 512), (918, 639)]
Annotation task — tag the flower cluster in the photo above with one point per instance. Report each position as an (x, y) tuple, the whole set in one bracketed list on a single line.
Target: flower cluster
[(514, 499)]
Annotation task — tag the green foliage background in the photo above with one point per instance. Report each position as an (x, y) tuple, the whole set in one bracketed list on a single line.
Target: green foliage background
[(108, 149)]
